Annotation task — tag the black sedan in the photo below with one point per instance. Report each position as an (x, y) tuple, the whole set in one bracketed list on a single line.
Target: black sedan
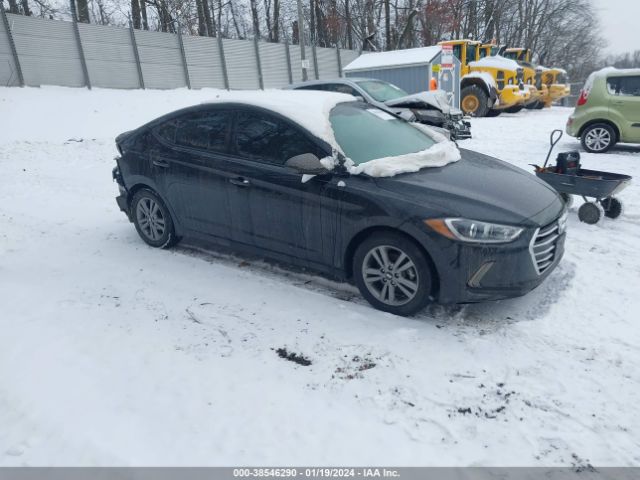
[(278, 181)]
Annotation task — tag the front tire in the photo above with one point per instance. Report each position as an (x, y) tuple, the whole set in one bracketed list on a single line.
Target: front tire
[(152, 219), (474, 101), (598, 138), (393, 274)]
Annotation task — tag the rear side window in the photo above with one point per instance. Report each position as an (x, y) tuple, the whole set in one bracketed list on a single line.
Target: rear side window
[(628, 86), (266, 138), (341, 88), (203, 131)]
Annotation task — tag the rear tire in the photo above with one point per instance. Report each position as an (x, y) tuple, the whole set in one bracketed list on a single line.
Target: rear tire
[(514, 109), (152, 219), (474, 101), (392, 273), (590, 213), (494, 113), (539, 105), (598, 138)]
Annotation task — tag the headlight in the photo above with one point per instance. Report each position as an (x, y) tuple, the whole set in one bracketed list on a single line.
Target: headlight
[(474, 231), (562, 221)]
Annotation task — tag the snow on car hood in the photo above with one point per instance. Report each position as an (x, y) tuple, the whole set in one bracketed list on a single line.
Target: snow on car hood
[(309, 109), (441, 153), (434, 98)]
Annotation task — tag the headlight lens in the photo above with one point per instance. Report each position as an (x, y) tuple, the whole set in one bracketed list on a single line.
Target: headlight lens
[(474, 231)]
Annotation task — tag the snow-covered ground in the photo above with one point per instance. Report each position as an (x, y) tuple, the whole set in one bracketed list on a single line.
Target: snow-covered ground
[(114, 353)]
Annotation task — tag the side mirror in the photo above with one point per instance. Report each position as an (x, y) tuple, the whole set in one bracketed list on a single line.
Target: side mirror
[(307, 164), (359, 98)]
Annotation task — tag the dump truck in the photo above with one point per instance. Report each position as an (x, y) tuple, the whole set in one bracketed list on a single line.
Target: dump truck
[(488, 85)]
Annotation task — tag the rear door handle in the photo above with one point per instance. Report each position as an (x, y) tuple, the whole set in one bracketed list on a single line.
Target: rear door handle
[(161, 163), (240, 182)]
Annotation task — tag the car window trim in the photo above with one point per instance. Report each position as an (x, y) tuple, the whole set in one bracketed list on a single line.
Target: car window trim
[(176, 119), (233, 146)]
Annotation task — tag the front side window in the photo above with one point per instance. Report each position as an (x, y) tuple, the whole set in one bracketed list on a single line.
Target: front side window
[(266, 138), (472, 53), (366, 133), (382, 91), (204, 131)]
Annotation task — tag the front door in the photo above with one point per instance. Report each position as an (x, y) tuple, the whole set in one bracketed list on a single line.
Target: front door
[(271, 208)]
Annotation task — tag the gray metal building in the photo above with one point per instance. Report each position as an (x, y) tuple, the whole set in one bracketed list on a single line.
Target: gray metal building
[(410, 69)]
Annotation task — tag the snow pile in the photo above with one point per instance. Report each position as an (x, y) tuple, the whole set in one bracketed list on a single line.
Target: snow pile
[(409, 56), (439, 154), (497, 61)]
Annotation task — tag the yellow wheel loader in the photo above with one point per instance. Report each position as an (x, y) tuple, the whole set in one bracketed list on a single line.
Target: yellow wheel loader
[(531, 79), (488, 85), (556, 82)]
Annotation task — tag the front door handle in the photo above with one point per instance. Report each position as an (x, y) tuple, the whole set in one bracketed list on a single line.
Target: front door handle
[(160, 163), (240, 182)]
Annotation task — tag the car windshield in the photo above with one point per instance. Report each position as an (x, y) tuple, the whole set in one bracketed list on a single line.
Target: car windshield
[(365, 133), (382, 91)]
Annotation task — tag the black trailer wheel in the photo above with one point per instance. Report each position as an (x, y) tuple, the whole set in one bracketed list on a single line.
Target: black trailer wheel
[(514, 109), (568, 199), (612, 207), (590, 213)]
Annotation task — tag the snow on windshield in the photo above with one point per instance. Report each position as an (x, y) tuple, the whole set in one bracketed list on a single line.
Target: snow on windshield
[(379, 145)]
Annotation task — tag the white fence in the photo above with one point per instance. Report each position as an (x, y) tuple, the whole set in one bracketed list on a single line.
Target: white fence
[(35, 51)]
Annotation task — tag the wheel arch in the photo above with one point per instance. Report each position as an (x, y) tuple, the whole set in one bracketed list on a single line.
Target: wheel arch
[(606, 122), (142, 185), (362, 235), (478, 82)]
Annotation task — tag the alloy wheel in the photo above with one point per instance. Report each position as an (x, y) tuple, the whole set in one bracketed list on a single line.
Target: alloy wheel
[(390, 275), (598, 139), (150, 218)]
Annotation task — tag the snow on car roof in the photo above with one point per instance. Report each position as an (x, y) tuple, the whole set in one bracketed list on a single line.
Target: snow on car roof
[(308, 108), (496, 61), (409, 56)]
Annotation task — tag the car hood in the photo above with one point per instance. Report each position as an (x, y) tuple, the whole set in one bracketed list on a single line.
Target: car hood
[(436, 99), (480, 187)]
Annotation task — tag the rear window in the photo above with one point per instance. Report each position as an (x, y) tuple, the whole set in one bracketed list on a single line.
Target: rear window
[(367, 133), (629, 86)]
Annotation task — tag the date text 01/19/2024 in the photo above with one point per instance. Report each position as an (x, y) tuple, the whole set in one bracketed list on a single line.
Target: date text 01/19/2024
[(315, 472)]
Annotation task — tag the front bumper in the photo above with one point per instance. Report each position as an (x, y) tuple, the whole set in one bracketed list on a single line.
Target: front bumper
[(471, 273), (510, 96)]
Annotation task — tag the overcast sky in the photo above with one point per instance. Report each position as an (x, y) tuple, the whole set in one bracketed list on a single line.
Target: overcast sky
[(620, 20)]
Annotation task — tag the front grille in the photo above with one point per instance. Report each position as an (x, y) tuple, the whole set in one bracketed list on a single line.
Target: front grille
[(543, 247)]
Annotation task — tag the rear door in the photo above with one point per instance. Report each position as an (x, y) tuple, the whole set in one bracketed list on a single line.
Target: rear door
[(624, 105), (191, 165), (272, 209)]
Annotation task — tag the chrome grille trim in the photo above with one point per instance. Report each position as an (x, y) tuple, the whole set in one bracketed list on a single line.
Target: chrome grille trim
[(543, 247)]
